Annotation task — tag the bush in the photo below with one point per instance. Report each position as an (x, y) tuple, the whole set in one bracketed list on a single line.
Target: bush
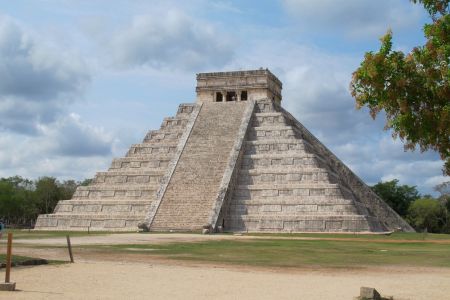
[(428, 214)]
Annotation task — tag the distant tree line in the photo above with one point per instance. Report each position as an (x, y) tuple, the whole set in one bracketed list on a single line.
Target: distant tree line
[(22, 199), (423, 212)]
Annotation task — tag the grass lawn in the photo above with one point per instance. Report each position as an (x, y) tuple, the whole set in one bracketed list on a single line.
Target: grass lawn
[(285, 250), (34, 234), (300, 253), (375, 237), (17, 259)]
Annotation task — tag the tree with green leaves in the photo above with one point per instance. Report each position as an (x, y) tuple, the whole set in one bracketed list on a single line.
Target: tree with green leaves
[(413, 89), (22, 200), (399, 197), (17, 200), (47, 194), (67, 188), (428, 214)]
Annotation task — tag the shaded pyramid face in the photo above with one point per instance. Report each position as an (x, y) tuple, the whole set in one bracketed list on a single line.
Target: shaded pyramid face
[(234, 161), (289, 182)]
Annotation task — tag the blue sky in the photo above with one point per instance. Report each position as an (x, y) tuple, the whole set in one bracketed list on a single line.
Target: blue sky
[(82, 80)]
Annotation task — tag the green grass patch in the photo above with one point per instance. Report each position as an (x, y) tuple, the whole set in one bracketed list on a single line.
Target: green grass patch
[(35, 234), (299, 253), (387, 237), (19, 260)]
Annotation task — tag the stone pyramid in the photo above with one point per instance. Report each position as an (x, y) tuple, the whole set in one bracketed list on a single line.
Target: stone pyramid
[(233, 161)]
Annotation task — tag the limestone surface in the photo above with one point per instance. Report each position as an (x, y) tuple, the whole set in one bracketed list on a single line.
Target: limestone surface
[(233, 161)]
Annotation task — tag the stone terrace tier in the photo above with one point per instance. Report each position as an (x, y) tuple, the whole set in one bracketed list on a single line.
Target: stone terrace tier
[(287, 184), (118, 199), (234, 161)]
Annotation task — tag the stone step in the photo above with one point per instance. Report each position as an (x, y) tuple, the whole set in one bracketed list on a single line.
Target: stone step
[(286, 175), (303, 209), (175, 122), (185, 109), (273, 132), (92, 211), (285, 200), (294, 189), (127, 177), (284, 170), (298, 223), (288, 159), (167, 147), (129, 191), (150, 156), (153, 161), (270, 118), (277, 146), (193, 187), (131, 172), (178, 226), (156, 136), (85, 222), (105, 201), (96, 206), (266, 106)]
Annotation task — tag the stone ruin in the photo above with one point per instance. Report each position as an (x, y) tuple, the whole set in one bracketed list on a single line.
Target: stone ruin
[(233, 161)]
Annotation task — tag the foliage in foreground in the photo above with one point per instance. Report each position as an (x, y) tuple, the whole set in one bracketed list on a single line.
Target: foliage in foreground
[(413, 89)]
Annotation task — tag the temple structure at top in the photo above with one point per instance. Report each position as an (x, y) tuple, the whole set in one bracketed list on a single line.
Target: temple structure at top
[(238, 86), (235, 160)]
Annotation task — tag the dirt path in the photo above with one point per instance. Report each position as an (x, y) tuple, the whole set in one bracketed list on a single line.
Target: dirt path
[(110, 275), (126, 238), (159, 238), (110, 280)]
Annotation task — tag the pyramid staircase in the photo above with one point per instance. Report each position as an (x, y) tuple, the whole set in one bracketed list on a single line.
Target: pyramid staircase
[(192, 191), (234, 161), (118, 199)]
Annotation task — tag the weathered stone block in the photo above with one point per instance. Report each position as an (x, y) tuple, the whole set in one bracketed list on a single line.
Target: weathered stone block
[(80, 223), (306, 208), (47, 222), (86, 208), (268, 193), (114, 223), (63, 223), (63, 208), (329, 225), (271, 208), (116, 208), (270, 224), (367, 293)]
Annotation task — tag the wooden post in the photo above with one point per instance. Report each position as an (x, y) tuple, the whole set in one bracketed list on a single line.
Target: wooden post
[(70, 248), (8, 258)]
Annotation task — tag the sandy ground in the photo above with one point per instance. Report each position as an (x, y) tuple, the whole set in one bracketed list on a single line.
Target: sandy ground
[(126, 238), (110, 280), (138, 276)]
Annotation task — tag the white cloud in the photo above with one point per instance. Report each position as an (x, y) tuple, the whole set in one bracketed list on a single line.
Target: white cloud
[(71, 137), (170, 40), (355, 18), (37, 78), (68, 148)]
